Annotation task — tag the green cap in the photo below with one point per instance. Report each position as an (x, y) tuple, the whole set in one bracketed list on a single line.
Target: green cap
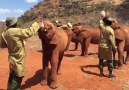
[(10, 21)]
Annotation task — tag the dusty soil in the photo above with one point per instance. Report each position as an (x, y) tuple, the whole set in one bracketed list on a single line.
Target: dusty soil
[(78, 73)]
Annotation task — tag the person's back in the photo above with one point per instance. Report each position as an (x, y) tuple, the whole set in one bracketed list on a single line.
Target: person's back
[(104, 36), (14, 42), (106, 45)]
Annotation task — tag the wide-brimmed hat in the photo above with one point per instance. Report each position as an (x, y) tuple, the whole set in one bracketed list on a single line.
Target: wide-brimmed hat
[(69, 25), (10, 21), (110, 19)]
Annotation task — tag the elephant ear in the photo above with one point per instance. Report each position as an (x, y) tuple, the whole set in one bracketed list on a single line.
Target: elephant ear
[(115, 24), (119, 34), (51, 35)]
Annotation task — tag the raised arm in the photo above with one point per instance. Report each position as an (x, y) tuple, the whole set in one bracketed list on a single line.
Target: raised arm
[(26, 33)]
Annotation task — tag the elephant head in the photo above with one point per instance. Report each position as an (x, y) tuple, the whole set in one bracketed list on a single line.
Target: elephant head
[(118, 31), (77, 28), (81, 31), (48, 32), (115, 24)]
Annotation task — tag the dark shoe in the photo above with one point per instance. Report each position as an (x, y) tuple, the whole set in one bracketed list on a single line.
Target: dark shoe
[(101, 73), (111, 76)]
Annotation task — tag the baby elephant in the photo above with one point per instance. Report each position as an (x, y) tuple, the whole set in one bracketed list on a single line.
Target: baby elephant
[(54, 42)]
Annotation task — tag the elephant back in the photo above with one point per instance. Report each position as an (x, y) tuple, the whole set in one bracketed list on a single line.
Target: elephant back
[(126, 29), (85, 32), (95, 35)]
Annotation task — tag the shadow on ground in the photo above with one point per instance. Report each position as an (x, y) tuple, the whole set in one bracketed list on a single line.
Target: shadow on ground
[(69, 55), (36, 79), (92, 53), (89, 72)]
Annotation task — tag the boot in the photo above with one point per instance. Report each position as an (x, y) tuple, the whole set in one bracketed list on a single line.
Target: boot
[(101, 73), (115, 64), (111, 75)]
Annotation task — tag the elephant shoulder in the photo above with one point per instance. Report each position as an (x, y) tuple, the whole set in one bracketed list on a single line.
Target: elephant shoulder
[(119, 33)]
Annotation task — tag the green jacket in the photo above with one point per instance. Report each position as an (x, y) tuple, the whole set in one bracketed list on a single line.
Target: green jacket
[(106, 42), (13, 38)]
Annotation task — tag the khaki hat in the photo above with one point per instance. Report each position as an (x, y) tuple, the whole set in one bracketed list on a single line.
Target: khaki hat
[(111, 19), (10, 21), (69, 25)]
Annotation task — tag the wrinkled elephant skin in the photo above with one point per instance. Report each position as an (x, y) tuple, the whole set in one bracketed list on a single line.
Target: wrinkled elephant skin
[(54, 43), (71, 38), (86, 36)]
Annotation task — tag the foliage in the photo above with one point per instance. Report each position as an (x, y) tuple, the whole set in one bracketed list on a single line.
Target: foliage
[(84, 11)]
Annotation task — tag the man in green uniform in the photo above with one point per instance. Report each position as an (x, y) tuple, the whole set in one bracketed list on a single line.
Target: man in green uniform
[(107, 45), (13, 38)]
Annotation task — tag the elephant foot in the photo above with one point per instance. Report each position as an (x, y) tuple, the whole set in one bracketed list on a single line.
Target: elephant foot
[(59, 72), (53, 85), (75, 49), (43, 82), (66, 50), (126, 63), (82, 55), (115, 67), (120, 67)]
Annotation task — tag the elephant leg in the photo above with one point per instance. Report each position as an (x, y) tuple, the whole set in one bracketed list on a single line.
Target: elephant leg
[(84, 46), (87, 43), (83, 49), (121, 53), (76, 45), (114, 61), (54, 65), (45, 68), (59, 63), (127, 58), (69, 40)]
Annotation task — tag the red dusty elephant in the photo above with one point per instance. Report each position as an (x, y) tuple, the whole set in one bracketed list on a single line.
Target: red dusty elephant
[(71, 38), (122, 42), (86, 36), (54, 43)]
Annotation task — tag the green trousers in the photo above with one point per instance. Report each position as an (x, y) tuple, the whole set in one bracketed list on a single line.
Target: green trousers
[(14, 82), (110, 64)]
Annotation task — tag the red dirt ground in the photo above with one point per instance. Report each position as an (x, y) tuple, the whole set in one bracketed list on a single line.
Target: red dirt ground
[(78, 73)]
